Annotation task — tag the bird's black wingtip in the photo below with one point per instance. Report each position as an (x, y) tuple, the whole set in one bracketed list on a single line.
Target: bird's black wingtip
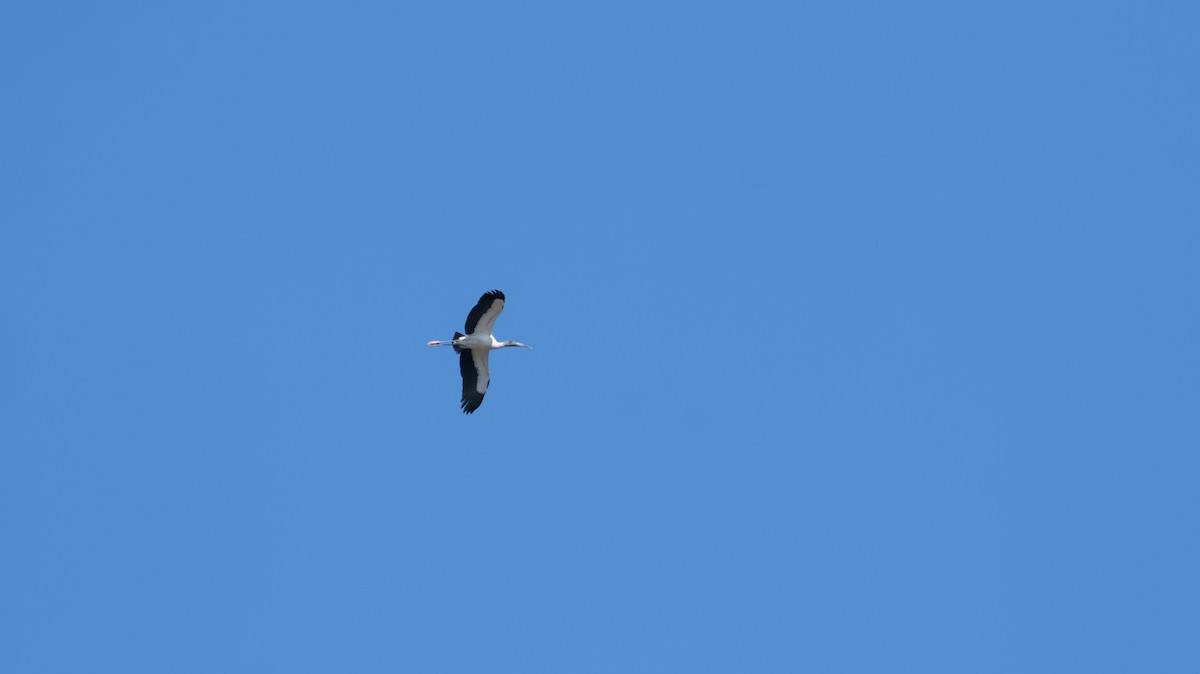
[(492, 295), (470, 403)]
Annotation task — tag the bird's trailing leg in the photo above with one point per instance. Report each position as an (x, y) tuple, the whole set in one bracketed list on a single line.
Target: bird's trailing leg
[(458, 337)]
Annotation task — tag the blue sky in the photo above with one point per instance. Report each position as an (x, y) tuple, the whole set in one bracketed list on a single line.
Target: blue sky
[(865, 337)]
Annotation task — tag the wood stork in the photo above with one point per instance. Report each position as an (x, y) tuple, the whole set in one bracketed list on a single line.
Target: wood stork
[(473, 348)]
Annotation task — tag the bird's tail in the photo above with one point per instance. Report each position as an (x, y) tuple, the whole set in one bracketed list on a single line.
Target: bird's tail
[(456, 348)]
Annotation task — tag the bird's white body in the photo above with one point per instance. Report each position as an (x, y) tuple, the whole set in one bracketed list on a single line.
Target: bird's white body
[(475, 346), (477, 341)]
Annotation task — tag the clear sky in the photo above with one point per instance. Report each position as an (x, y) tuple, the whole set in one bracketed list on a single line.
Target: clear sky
[(865, 337)]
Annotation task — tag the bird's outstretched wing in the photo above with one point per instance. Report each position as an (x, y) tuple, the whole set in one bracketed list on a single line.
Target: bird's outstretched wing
[(483, 316), (474, 366)]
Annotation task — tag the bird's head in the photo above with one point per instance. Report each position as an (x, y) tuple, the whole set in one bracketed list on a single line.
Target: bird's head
[(512, 343)]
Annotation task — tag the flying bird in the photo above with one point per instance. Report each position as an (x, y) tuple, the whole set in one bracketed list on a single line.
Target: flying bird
[(473, 348)]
